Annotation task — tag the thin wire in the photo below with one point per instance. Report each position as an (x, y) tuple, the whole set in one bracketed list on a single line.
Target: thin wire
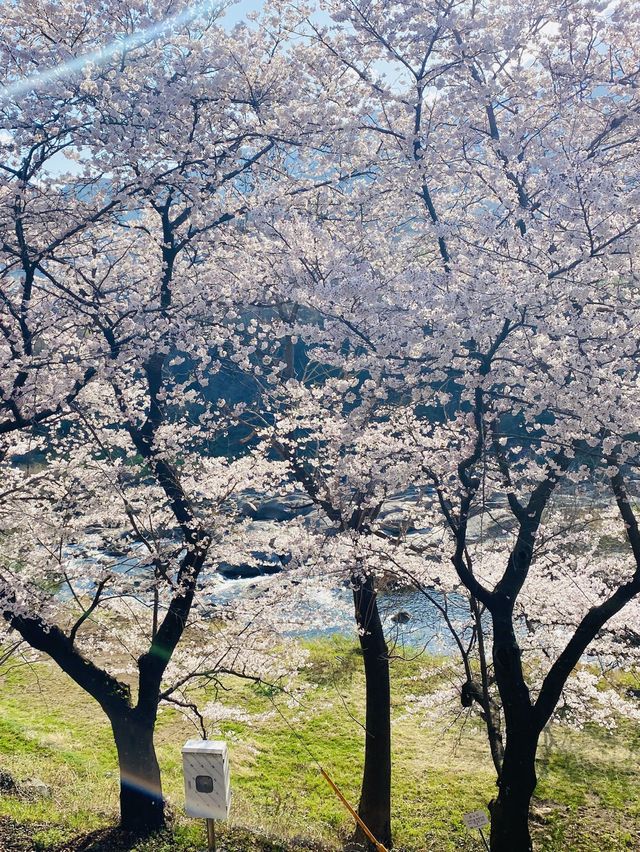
[(379, 846)]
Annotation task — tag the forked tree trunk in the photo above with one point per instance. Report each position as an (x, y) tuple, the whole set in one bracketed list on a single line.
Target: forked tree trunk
[(141, 799), (375, 795)]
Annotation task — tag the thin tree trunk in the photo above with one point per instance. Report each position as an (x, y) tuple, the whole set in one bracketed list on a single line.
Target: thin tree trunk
[(141, 799), (490, 712), (375, 795)]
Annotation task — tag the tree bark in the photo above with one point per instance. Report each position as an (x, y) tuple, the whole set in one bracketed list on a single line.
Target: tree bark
[(375, 795), (510, 810), (517, 779), (141, 802), (141, 799)]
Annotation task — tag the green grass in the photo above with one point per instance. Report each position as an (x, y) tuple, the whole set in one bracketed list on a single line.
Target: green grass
[(588, 794)]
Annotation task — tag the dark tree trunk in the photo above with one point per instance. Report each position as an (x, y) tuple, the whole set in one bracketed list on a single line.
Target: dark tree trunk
[(517, 781), (510, 810), (141, 800), (375, 795)]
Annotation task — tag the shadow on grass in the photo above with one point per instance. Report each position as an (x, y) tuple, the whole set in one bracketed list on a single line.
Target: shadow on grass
[(101, 840), (36, 837)]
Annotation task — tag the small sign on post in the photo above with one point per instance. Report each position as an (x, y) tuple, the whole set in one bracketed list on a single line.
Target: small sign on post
[(477, 819), (207, 790)]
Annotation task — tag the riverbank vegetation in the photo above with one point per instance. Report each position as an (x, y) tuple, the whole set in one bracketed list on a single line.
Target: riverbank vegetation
[(588, 798), (339, 301)]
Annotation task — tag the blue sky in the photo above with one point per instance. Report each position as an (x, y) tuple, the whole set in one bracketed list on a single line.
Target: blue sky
[(238, 11)]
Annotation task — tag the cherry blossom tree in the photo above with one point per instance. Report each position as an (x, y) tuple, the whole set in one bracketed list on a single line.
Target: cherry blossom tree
[(108, 294), (298, 263), (415, 228), (502, 145)]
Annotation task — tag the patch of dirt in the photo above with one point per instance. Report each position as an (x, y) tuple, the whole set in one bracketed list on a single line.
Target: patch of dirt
[(19, 838), (102, 840)]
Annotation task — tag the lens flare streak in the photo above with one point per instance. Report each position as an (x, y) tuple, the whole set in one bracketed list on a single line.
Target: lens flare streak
[(98, 57)]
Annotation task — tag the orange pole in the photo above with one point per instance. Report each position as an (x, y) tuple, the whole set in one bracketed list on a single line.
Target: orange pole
[(353, 813)]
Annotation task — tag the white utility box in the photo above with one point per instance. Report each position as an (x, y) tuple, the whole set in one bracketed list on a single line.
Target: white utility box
[(206, 779)]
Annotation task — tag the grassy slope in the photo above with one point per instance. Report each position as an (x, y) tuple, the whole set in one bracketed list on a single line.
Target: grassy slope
[(589, 782)]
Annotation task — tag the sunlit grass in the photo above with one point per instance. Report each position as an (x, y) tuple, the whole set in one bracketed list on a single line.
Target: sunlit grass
[(589, 787)]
